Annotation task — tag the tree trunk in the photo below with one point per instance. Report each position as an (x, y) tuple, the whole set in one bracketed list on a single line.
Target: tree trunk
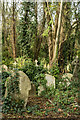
[(50, 40), (4, 24), (64, 35), (39, 37), (57, 35), (55, 29), (36, 37), (13, 32)]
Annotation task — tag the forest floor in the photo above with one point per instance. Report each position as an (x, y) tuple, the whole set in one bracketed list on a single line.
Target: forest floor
[(40, 108)]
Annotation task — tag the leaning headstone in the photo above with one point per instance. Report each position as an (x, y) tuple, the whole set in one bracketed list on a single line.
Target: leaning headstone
[(50, 82), (24, 87)]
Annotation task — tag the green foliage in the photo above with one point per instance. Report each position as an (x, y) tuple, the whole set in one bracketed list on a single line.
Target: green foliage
[(54, 71), (45, 33), (20, 61), (64, 97), (48, 92), (26, 29), (33, 109), (7, 61), (12, 106), (13, 83), (4, 76), (40, 79), (35, 73)]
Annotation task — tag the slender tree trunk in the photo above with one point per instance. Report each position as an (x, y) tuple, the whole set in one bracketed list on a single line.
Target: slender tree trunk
[(4, 24), (13, 32), (58, 32), (55, 29), (50, 40), (36, 37), (64, 35), (39, 37)]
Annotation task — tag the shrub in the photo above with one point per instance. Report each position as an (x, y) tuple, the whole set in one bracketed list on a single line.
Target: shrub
[(48, 92), (4, 76), (66, 95), (8, 61), (35, 73), (54, 71)]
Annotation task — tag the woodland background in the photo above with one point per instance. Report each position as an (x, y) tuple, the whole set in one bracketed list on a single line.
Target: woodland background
[(48, 32)]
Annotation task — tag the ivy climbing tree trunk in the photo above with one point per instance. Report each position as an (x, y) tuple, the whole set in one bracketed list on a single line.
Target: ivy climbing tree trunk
[(50, 39), (64, 36), (39, 32), (36, 37)]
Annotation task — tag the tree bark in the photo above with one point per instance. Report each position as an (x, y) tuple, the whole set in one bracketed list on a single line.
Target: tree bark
[(36, 37), (50, 40), (64, 35), (39, 36), (4, 24), (58, 32), (13, 32)]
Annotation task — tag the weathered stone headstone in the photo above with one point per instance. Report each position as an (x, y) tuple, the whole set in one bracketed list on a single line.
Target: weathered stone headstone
[(50, 82), (24, 87), (67, 77)]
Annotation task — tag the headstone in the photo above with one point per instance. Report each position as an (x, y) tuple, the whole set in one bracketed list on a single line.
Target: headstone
[(40, 89), (36, 62), (50, 82), (24, 87), (67, 77)]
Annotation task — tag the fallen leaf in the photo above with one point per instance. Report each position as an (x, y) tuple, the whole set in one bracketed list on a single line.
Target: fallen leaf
[(74, 108), (60, 110)]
